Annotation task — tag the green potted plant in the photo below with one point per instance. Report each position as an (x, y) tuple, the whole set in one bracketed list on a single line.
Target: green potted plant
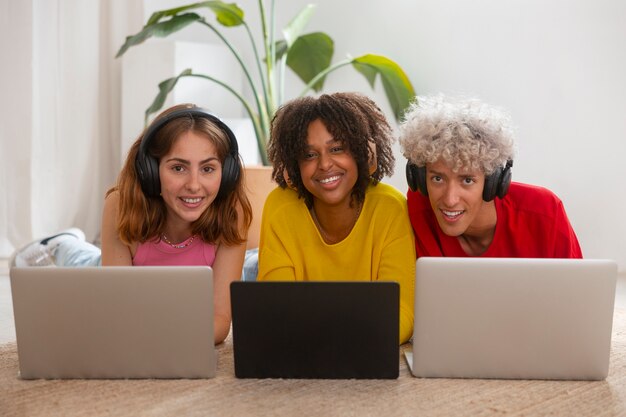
[(307, 55)]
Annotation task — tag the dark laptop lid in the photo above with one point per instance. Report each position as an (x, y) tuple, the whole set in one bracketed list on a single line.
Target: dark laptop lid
[(334, 330)]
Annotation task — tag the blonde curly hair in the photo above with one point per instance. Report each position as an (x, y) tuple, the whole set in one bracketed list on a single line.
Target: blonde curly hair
[(466, 133)]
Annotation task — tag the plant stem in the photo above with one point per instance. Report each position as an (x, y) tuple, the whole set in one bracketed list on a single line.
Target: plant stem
[(262, 110), (281, 78), (272, 57), (269, 60), (265, 110)]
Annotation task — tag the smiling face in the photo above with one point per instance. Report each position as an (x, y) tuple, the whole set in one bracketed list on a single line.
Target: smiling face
[(457, 200), (328, 170), (190, 176)]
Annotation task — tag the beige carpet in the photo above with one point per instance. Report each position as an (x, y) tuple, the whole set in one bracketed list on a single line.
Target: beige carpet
[(226, 395)]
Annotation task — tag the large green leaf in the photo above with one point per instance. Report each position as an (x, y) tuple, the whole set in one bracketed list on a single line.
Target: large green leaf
[(161, 30), (164, 89), (228, 14), (397, 85), (309, 55), (294, 29)]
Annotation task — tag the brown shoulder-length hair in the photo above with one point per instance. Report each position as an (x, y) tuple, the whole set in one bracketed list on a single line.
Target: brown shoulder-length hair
[(351, 118), (141, 218)]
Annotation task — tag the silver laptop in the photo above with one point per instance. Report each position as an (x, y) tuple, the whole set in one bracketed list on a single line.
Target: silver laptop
[(513, 318), (114, 322)]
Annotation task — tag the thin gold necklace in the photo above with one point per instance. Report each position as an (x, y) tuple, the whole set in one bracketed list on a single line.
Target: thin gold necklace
[(325, 235), (180, 245)]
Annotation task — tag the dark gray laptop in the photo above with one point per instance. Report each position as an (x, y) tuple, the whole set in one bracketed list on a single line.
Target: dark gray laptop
[(332, 330), (513, 318), (114, 322)]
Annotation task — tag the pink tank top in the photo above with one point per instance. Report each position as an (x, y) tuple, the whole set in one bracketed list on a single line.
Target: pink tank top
[(152, 253)]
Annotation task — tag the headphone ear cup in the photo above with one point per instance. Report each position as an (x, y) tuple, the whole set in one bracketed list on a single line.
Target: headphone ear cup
[(497, 184), (416, 178), (230, 176), (421, 180), (491, 184), (505, 182), (411, 175), (147, 169)]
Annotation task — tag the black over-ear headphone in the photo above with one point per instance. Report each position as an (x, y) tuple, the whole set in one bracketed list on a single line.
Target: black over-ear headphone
[(496, 185), (147, 166)]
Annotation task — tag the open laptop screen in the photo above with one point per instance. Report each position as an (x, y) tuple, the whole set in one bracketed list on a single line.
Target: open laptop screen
[(114, 322), (513, 318), (315, 329)]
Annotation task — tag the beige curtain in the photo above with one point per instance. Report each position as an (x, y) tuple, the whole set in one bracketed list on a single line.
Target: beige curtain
[(60, 113)]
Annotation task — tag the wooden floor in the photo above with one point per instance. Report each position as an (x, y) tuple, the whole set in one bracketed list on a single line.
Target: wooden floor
[(7, 328)]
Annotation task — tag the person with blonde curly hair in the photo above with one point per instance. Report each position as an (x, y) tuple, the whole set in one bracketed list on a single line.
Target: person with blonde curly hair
[(461, 199), (330, 218)]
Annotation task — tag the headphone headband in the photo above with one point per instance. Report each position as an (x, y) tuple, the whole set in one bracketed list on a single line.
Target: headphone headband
[(147, 166)]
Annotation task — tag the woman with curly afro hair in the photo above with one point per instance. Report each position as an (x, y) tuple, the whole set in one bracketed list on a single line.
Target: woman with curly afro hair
[(330, 218)]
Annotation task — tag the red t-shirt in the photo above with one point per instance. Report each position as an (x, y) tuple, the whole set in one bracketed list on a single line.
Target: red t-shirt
[(531, 224)]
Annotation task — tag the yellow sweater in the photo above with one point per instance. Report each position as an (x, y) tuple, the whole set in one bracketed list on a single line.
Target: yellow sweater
[(380, 247)]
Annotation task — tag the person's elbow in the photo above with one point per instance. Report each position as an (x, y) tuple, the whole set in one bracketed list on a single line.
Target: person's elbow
[(221, 328)]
